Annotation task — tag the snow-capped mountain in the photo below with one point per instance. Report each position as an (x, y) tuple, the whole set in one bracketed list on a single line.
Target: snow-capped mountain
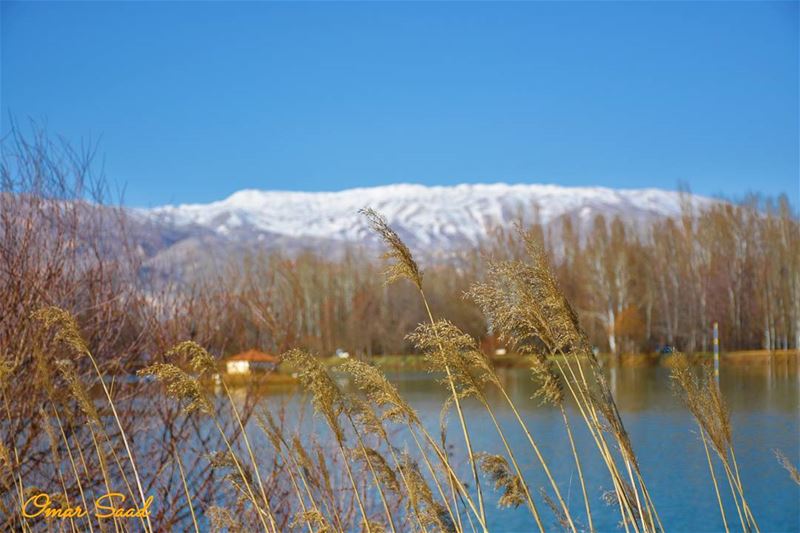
[(430, 219), (442, 217)]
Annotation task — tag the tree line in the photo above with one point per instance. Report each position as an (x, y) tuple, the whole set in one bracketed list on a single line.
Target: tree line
[(635, 290)]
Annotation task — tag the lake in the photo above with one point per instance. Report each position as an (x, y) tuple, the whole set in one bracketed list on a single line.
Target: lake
[(763, 400)]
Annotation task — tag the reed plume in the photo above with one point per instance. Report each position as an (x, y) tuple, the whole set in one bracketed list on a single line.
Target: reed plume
[(181, 386), (381, 392), (65, 327), (315, 520), (68, 371), (497, 469), (401, 263), (329, 401), (198, 358), (446, 346), (325, 395), (561, 518), (392, 407), (526, 308), (421, 499), (704, 400), (385, 474)]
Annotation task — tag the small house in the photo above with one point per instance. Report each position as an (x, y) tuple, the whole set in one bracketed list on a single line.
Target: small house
[(251, 361)]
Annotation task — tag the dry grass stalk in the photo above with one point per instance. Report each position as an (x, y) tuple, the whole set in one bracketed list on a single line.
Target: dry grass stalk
[(181, 386), (432, 513), (704, 400), (77, 477), (54, 450), (561, 518), (65, 327), (401, 261), (392, 407), (313, 517), (403, 266), (184, 483), (329, 401), (325, 483), (188, 391), (445, 346), (203, 363), (526, 308), (713, 477)]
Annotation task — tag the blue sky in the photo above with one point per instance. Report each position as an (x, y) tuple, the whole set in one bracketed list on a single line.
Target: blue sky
[(193, 101)]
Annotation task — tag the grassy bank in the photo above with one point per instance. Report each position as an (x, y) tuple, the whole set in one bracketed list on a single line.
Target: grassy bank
[(416, 362), (401, 362)]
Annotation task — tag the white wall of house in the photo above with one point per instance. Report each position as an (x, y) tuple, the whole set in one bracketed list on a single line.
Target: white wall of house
[(238, 367)]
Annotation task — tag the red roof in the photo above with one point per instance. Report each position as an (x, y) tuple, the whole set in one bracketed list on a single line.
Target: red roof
[(254, 356)]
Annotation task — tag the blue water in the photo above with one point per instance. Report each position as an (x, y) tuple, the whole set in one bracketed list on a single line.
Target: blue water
[(763, 400)]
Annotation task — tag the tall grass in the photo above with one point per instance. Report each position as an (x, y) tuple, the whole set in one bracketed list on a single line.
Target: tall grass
[(705, 402), (366, 462)]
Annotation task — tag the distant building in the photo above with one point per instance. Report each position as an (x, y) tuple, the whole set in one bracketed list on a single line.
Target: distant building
[(251, 361)]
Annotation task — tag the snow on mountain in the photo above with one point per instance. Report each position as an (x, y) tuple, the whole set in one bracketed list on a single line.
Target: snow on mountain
[(429, 218)]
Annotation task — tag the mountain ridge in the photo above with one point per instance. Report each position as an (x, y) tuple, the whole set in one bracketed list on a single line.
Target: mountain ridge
[(435, 221), (428, 215)]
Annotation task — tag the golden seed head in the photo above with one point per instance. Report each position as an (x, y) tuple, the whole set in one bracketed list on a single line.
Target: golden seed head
[(447, 348), (314, 518), (180, 386), (385, 474), (78, 391), (525, 307), (551, 387), (302, 455), (497, 469), (199, 359), (403, 265), (704, 400), (558, 512), (420, 497), (65, 326), (267, 423), (380, 391), (325, 394)]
